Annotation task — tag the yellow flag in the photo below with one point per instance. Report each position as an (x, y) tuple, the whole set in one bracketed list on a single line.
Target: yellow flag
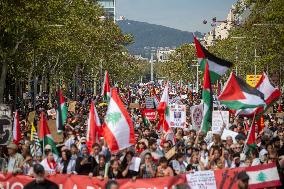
[(33, 130)]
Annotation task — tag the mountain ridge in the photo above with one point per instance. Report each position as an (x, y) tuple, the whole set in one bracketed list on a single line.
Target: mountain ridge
[(148, 35)]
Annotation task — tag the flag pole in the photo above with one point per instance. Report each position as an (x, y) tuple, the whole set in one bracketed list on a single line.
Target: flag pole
[(245, 145)]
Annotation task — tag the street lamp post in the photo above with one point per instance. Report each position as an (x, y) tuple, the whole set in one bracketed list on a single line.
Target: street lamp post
[(197, 70)]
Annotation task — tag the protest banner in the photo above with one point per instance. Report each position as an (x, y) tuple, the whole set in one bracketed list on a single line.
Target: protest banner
[(72, 106), (170, 153), (218, 119), (149, 103), (150, 114), (9, 181), (201, 180), (196, 113), (261, 176), (177, 115)]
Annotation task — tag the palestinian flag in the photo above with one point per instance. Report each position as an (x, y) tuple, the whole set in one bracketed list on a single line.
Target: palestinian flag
[(94, 127), (106, 88), (118, 128), (251, 140), (263, 176), (271, 95), (45, 135), (237, 94), (207, 101), (61, 111), (164, 111), (16, 129), (217, 66)]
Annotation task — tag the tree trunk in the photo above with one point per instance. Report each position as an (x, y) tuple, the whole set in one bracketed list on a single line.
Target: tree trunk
[(3, 80)]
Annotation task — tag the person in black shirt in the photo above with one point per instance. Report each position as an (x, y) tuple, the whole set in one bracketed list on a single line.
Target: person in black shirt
[(114, 172), (86, 163), (99, 170), (40, 182)]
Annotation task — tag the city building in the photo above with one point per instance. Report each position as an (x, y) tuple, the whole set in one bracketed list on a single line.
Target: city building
[(163, 54), (109, 6), (221, 28)]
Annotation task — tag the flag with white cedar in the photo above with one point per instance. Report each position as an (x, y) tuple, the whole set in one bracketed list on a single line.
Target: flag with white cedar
[(263, 176), (118, 129), (106, 88), (16, 129), (217, 66), (45, 134), (207, 101), (35, 143), (94, 127), (164, 111), (61, 111)]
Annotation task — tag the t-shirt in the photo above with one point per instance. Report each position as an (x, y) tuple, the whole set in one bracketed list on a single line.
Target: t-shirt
[(46, 184)]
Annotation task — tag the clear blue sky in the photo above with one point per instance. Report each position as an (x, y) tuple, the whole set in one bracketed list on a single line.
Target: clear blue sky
[(186, 15)]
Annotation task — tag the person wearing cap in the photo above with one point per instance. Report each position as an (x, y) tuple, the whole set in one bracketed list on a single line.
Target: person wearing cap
[(40, 182), (243, 180), (15, 159)]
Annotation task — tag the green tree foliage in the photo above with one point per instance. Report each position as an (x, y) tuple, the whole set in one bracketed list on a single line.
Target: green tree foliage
[(52, 39), (179, 66)]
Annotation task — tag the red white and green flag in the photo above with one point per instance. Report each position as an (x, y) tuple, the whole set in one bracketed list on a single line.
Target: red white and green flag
[(45, 134), (106, 88), (118, 128), (217, 66), (237, 94), (16, 129), (164, 111), (263, 176), (271, 95), (94, 127), (207, 101), (61, 111)]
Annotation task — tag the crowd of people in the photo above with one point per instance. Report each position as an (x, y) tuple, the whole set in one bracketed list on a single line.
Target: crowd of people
[(190, 150)]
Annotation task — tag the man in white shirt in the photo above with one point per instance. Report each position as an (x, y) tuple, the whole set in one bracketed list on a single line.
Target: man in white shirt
[(15, 160)]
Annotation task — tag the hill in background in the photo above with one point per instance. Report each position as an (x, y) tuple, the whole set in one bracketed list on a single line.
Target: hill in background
[(150, 36)]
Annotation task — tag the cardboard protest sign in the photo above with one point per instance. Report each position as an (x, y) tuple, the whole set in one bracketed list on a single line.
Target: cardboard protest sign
[(134, 105), (72, 106), (177, 115), (31, 117), (218, 119), (201, 180), (170, 153), (58, 137), (196, 113)]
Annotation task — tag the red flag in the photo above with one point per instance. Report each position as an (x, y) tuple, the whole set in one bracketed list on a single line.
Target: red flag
[(251, 137), (164, 111), (94, 127)]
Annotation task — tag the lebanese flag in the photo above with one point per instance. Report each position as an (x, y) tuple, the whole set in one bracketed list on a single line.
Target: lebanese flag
[(237, 94), (106, 87), (164, 111), (263, 176), (271, 95), (16, 129), (217, 66), (94, 127), (118, 128), (45, 134)]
